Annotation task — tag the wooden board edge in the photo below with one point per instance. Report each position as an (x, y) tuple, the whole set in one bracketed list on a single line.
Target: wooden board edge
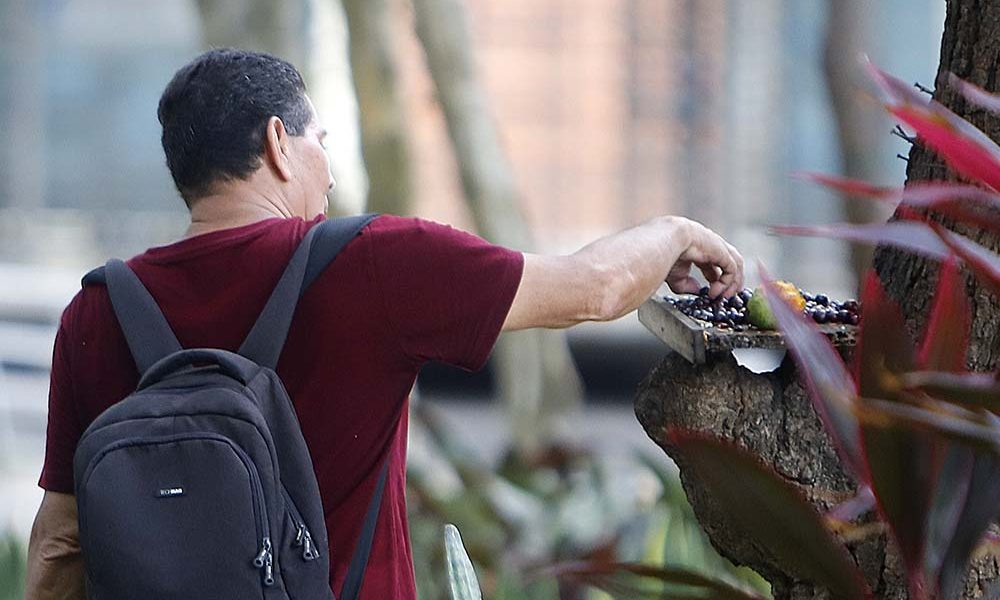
[(686, 340)]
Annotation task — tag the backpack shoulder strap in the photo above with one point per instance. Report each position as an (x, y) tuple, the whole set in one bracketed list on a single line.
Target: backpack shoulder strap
[(146, 330), (321, 245), (94, 277), (359, 562)]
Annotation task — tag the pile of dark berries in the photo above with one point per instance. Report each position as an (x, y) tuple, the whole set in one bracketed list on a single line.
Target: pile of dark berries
[(731, 313), (824, 310), (724, 313)]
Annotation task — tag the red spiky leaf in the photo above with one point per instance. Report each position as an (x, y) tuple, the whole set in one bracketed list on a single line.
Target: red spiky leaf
[(884, 350), (947, 335), (975, 94), (830, 386), (914, 236), (966, 149), (852, 187), (982, 261), (972, 390), (772, 512)]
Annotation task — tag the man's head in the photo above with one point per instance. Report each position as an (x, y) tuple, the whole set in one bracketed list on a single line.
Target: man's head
[(232, 115)]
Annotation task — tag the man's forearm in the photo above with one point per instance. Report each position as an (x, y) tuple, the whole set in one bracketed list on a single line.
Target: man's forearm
[(630, 265), (612, 276), (55, 565)]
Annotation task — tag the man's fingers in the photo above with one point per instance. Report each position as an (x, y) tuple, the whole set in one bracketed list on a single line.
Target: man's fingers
[(686, 285), (738, 280), (710, 271), (719, 261)]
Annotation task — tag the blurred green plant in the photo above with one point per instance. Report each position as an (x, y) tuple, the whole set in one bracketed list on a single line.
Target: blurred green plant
[(524, 522), (462, 579), (13, 567)]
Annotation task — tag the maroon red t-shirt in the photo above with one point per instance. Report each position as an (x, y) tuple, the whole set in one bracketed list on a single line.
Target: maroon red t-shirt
[(404, 292)]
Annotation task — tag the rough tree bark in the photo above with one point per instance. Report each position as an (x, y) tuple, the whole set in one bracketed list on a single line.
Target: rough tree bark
[(537, 377), (770, 415), (384, 143), (970, 48)]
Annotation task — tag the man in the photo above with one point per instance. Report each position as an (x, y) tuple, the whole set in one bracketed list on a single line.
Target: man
[(245, 149)]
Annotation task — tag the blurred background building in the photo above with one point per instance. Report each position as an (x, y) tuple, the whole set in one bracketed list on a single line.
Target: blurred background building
[(612, 112)]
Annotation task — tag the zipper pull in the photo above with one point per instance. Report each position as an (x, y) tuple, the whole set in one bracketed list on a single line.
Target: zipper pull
[(300, 533), (309, 550), (269, 570), (261, 557), (265, 560)]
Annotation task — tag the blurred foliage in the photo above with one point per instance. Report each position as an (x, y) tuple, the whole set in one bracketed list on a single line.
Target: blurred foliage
[(462, 579), (13, 567), (522, 518)]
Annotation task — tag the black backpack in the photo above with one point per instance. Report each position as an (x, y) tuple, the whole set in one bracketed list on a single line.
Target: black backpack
[(199, 484)]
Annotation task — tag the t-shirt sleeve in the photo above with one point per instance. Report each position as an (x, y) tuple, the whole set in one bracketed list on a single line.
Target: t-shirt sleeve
[(446, 292), (64, 428)]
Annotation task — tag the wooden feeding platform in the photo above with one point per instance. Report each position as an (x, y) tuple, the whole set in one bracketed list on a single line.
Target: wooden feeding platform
[(697, 340)]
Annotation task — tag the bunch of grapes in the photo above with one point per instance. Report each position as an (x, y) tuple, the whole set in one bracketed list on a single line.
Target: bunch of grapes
[(731, 313)]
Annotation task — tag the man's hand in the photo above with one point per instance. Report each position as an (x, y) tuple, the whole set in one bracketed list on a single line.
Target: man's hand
[(718, 261), (614, 275), (55, 565)]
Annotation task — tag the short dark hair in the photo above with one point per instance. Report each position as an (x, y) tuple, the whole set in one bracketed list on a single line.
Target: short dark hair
[(214, 113)]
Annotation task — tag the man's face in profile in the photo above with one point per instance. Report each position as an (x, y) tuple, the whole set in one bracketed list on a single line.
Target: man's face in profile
[(311, 168)]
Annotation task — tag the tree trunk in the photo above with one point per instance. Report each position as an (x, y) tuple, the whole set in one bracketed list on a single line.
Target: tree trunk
[(278, 28), (847, 35), (22, 109), (383, 123), (970, 48), (537, 378)]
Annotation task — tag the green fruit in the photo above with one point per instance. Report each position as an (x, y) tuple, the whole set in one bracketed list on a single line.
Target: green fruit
[(759, 313)]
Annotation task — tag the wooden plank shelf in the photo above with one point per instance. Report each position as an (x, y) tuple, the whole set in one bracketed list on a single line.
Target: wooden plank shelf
[(696, 340)]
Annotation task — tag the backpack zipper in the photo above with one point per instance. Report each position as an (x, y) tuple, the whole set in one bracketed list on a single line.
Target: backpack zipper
[(302, 536), (264, 560)]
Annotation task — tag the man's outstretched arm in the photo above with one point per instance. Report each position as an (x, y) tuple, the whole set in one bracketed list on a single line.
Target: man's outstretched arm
[(611, 277), (55, 565)]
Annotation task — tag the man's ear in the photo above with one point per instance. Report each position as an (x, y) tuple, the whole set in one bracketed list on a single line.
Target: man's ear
[(276, 144)]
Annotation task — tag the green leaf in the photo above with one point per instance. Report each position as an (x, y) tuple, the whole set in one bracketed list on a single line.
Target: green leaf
[(772, 512), (682, 583), (461, 576), (13, 567)]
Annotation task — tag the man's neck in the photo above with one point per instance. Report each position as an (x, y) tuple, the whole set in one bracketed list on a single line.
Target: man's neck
[(233, 209)]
